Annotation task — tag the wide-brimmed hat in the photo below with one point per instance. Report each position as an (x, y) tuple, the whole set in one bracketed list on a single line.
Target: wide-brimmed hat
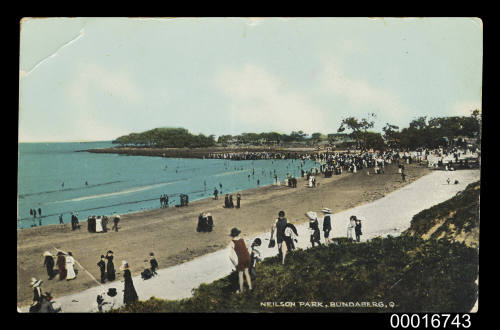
[(34, 282), (47, 254), (117, 216), (326, 210), (60, 253), (111, 292), (124, 265), (235, 232)]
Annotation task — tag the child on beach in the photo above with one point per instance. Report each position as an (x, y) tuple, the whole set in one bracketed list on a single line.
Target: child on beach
[(357, 230)]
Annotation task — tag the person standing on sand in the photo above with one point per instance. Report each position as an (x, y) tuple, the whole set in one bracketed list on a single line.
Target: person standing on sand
[(37, 295), (216, 193), (231, 204), (129, 293), (153, 263), (279, 227), (238, 199), (239, 247), (70, 262), (111, 266), (49, 264), (327, 225), (61, 222), (116, 219), (102, 267), (61, 264)]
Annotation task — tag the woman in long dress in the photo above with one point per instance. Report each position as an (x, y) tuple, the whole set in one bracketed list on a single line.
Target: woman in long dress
[(61, 264), (110, 268), (129, 293), (351, 228), (98, 225), (70, 262)]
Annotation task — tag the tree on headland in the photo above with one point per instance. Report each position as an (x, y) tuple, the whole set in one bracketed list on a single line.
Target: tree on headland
[(167, 137), (358, 127)]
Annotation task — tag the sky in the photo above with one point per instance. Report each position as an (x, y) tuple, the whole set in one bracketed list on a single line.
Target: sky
[(95, 79)]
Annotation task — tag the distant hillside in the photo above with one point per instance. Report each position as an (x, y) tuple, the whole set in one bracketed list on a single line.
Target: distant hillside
[(455, 220)]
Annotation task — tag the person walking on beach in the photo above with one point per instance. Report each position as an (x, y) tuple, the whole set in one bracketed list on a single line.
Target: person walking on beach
[(231, 204), (216, 194), (226, 201), (129, 293), (111, 266), (238, 247), (102, 267), (153, 263), (116, 219), (49, 264), (278, 227), (327, 225), (61, 264), (238, 199), (70, 262), (61, 219)]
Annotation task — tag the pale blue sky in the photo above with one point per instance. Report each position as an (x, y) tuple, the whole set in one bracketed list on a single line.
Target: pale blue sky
[(88, 79)]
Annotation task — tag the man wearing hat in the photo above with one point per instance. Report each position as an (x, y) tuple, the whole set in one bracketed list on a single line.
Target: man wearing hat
[(102, 267), (327, 224)]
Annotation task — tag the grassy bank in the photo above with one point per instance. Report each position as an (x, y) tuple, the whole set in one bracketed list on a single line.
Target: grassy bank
[(417, 275)]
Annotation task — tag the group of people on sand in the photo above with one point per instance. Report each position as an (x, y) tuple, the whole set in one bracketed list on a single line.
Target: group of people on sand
[(228, 201), (107, 270), (33, 214), (164, 201), (65, 265)]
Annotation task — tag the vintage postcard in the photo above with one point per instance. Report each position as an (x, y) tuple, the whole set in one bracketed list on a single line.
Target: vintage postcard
[(242, 164)]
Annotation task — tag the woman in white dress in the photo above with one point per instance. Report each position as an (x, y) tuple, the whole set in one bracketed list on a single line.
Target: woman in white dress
[(98, 225), (70, 262), (351, 233)]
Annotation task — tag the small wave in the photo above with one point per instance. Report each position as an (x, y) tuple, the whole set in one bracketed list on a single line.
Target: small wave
[(233, 172), (123, 192), (67, 189)]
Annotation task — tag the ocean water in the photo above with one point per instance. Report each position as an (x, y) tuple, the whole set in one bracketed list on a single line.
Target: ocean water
[(107, 184)]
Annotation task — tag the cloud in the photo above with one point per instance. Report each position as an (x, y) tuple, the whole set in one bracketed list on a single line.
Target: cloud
[(265, 102), (361, 95)]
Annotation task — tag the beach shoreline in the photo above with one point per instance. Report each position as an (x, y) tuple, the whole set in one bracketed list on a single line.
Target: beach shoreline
[(200, 152), (170, 232)]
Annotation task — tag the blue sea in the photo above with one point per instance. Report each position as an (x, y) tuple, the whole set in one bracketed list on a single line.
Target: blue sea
[(60, 178)]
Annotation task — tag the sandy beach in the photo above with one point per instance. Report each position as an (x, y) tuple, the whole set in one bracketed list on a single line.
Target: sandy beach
[(171, 233)]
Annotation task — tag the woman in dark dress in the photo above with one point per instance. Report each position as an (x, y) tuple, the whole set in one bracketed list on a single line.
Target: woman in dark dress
[(61, 264), (111, 266), (129, 293), (49, 264), (315, 234)]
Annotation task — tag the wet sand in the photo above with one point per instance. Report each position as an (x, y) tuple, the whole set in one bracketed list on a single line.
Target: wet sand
[(171, 232)]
